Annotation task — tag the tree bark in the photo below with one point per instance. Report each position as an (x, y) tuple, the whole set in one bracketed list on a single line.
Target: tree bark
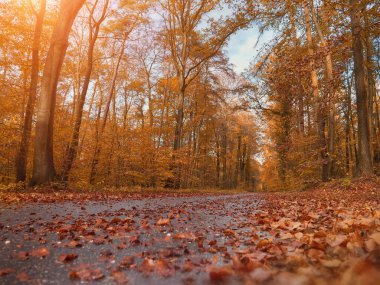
[(320, 117), (364, 167), (374, 130), (22, 155), (43, 167), (237, 163), (224, 155), (330, 94)]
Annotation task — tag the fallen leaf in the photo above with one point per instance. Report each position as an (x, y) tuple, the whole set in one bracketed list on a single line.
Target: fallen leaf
[(376, 238), (5, 271), (164, 268), (22, 255), (85, 272), (119, 277), (333, 263), (189, 236), (220, 273), (337, 240), (163, 222), (23, 277), (286, 236), (40, 252), (67, 257)]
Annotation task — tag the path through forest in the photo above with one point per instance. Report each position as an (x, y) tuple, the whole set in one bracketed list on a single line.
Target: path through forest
[(301, 238)]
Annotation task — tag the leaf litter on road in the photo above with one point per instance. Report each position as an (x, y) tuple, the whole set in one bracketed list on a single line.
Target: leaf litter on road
[(325, 236)]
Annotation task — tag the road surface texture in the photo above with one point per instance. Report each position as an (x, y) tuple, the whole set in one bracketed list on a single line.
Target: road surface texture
[(192, 239)]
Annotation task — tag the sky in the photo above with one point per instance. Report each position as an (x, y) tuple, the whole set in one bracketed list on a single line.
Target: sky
[(241, 48)]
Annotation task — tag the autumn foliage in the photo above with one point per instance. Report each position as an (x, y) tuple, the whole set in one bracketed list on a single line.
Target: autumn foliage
[(140, 93)]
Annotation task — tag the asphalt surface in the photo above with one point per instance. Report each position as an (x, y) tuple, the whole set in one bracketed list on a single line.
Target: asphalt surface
[(103, 234)]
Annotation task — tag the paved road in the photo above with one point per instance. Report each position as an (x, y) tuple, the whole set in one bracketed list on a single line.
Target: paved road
[(167, 240)]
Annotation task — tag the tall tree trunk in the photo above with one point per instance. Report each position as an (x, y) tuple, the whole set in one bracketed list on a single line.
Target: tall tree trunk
[(22, 155), (43, 167), (347, 116), (237, 163), (217, 160), (178, 134), (320, 117), (374, 130), (299, 93), (364, 167), (93, 36), (95, 160), (224, 155), (330, 95), (179, 119)]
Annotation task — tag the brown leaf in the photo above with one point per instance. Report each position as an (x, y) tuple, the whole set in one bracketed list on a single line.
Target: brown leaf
[(286, 236), (376, 238), (298, 235), (67, 257), (74, 243), (135, 240), (333, 263), (23, 277), (163, 222), (119, 277), (218, 274), (370, 245), (164, 268), (85, 272), (229, 232), (127, 261), (245, 263), (337, 240), (22, 255), (5, 271), (40, 252), (189, 236), (315, 254), (263, 243), (187, 266)]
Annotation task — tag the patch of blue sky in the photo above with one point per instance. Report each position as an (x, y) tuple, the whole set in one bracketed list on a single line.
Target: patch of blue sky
[(244, 45)]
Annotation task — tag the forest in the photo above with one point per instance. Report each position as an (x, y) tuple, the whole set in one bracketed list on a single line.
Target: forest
[(142, 94), (190, 142)]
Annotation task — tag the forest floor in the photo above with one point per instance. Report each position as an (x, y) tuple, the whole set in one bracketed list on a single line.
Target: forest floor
[(329, 235)]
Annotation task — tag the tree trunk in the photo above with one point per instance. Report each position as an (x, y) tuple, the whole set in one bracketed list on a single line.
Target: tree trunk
[(22, 155), (217, 160), (364, 167), (330, 94), (178, 135), (320, 117), (73, 147), (43, 168), (237, 163), (179, 120), (348, 129), (224, 155), (95, 160), (374, 130)]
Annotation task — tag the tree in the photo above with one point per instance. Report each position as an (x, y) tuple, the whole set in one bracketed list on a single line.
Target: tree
[(364, 166), (22, 155), (330, 94), (94, 28), (43, 163), (320, 107), (191, 47)]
